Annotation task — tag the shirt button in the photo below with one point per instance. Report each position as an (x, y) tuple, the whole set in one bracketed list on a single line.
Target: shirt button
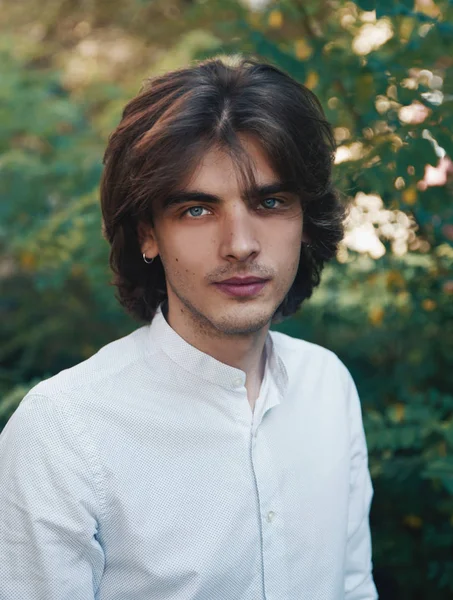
[(270, 515), (237, 382)]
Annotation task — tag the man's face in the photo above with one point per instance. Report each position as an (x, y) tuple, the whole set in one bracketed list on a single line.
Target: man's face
[(201, 242)]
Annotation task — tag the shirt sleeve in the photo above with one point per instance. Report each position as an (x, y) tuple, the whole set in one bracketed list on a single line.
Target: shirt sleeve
[(359, 584), (49, 507)]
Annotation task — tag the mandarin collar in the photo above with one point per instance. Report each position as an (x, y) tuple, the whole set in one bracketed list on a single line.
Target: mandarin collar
[(204, 365)]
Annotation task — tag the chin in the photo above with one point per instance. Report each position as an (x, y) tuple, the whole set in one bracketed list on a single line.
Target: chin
[(241, 319)]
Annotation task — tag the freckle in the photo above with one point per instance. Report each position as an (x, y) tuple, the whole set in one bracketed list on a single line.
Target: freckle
[(176, 259)]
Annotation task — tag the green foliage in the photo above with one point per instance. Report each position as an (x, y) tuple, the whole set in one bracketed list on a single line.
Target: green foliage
[(55, 261), (390, 318)]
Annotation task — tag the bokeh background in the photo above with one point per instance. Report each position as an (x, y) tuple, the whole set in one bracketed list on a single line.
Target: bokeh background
[(383, 71)]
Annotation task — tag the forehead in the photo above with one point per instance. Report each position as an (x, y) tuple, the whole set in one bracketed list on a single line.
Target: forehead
[(217, 171)]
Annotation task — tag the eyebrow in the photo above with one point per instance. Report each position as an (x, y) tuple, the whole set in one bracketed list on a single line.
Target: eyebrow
[(180, 197)]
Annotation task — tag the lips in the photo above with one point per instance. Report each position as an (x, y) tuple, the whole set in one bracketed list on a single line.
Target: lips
[(243, 289), (243, 280)]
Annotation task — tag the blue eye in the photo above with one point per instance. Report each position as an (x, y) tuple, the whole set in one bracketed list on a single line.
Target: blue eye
[(194, 208), (272, 200)]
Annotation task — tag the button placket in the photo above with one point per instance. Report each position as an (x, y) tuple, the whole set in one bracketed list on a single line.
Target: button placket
[(273, 526)]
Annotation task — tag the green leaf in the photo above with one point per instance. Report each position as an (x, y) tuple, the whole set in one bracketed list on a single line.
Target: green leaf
[(366, 4), (384, 7)]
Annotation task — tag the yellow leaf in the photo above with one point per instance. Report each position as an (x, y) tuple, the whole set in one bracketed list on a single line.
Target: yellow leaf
[(399, 412), (275, 19), (410, 196), (28, 260), (87, 350), (395, 279), (376, 315), (303, 49), (442, 449), (76, 270), (254, 19), (429, 305), (413, 521), (312, 80)]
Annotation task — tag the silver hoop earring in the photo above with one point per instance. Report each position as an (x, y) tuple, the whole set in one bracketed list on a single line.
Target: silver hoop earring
[(148, 262)]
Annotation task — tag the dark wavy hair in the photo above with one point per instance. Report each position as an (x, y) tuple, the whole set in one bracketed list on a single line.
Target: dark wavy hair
[(178, 116)]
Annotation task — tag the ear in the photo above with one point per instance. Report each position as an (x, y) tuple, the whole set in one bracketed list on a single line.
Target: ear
[(147, 240)]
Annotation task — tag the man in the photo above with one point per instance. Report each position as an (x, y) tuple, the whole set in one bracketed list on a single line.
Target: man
[(203, 456)]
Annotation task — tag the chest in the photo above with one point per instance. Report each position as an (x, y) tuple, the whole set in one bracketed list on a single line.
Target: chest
[(203, 503)]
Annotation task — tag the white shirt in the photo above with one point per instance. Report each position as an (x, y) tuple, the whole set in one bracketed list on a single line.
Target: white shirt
[(143, 474)]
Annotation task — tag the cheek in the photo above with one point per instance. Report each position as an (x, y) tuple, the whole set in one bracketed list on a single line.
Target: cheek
[(288, 239), (191, 242), (186, 256)]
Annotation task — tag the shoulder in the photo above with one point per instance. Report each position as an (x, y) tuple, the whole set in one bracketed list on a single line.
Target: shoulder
[(109, 364)]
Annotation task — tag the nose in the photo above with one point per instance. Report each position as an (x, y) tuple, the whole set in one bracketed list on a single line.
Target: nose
[(238, 234)]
